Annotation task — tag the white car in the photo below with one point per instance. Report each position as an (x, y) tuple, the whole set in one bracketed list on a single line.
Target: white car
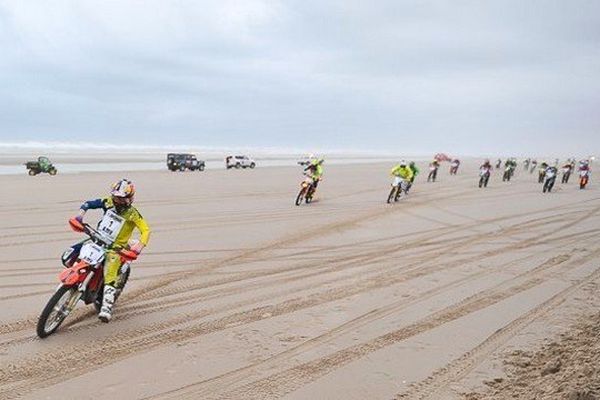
[(239, 162)]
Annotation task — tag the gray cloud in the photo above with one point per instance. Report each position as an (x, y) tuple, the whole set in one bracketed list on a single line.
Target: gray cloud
[(462, 76)]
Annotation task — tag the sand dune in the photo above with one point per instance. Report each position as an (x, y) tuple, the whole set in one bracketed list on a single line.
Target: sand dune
[(242, 295)]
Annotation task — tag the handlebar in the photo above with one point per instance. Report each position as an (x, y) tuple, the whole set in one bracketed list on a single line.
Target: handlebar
[(96, 237)]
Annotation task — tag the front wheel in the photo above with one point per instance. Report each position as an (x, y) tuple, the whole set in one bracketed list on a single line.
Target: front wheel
[(300, 196), (31, 172), (52, 171), (56, 311), (392, 195), (252, 165)]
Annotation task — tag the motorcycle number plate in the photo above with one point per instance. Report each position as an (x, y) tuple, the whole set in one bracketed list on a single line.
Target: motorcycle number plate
[(110, 225), (91, 253)]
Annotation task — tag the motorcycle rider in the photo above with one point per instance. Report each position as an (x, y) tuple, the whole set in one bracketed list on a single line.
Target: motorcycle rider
[(550, 175), (433, 166), (511, 164), (454, 166), (584, 166), (486, 165), (533, 166), (567, 169), (314, 170), (402, 173), (415, 171), (542, 171), (120, 202)]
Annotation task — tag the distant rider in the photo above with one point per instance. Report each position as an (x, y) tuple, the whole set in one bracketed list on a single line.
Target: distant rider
[(120, 203), (533, 166), (402, 174), (486, 165), (314, 170), (542, 171), (584, 165), (433, 167), (566, 170), (415, 171), (454, 166)]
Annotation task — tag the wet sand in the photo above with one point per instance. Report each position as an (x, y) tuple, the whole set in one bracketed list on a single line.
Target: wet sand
[(242, 295)]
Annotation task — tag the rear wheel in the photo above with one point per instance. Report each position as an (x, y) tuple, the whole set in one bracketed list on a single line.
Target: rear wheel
[(55, 311), (252, 165)]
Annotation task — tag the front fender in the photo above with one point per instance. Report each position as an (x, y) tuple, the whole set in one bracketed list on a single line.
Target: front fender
[(75, 274)]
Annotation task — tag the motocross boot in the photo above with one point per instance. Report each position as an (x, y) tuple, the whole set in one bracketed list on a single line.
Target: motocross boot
[(107, 303)]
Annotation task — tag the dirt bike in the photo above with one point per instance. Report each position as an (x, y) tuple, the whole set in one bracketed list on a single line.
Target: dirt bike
[(484, 177), (508, 173), (398, 186), (453, 169), (84, 280), (566, 175), (307, 191), (584, 178), (432, 173), (550, 179)]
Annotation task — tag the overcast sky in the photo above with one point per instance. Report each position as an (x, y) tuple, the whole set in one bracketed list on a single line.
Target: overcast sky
[(467, 77)]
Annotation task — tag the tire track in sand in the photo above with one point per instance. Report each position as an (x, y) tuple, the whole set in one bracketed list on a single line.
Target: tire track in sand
[(462, 366), (121, 345), (282, 383)]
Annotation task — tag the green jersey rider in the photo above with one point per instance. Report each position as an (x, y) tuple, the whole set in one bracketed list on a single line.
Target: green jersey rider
[(415, 172)]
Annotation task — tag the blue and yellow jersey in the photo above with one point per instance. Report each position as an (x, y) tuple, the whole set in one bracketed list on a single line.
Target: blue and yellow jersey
[(133, 219)]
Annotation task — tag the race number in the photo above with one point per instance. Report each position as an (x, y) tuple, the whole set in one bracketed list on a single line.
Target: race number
[(110, 225), (91, 253)]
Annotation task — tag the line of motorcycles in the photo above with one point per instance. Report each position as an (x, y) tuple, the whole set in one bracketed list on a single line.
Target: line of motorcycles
[(547, 177)]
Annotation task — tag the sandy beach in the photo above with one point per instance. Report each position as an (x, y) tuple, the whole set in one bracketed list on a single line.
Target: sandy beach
[(242, 295)]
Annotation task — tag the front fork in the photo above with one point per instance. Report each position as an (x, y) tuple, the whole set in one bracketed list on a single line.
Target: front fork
[(77, 295)]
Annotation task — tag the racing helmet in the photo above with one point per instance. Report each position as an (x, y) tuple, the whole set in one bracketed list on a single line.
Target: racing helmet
[(122, 193)]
